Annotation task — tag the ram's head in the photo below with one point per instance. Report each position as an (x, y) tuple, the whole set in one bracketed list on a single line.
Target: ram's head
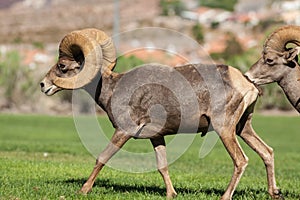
[(279, 63), (83, 55)]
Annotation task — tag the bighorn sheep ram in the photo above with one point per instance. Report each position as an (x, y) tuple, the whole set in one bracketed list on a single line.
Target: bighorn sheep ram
[(87, 58)]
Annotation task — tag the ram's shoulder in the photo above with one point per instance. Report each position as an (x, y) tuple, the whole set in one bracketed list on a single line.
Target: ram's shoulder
[(240, 82)]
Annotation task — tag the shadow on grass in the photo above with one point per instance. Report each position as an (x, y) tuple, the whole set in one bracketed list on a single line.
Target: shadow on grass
[(156, 190)]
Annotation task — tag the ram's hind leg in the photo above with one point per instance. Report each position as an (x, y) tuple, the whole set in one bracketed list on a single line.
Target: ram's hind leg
[(162, 164), (118, 140), (265, 152)]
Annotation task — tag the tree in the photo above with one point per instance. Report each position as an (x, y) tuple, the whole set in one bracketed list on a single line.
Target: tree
[(171, 7), (233, 47), (198, 32)]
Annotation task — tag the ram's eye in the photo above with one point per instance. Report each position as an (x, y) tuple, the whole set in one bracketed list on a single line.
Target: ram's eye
[(62, 68), (269, 61)]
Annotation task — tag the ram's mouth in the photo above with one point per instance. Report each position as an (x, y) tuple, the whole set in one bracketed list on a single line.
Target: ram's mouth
[(46, 92), (51, 90)]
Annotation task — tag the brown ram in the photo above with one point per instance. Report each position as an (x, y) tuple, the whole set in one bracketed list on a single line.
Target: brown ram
[(225, 98)]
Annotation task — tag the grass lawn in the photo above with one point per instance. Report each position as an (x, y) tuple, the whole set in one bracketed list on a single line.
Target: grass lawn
[(42, 157)]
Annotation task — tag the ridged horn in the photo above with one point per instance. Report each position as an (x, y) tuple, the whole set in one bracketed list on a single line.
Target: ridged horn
[(281, 37), (91, 47), (107, 46)]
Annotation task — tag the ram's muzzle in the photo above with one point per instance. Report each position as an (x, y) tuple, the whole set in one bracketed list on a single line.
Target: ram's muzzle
[(47, 85)]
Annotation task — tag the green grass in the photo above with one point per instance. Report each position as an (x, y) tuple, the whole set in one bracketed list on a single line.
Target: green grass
[(26, 173)]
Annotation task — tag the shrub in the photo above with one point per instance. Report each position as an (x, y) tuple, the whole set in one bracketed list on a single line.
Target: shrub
[(16, 80), (224, 4), (125, 63)]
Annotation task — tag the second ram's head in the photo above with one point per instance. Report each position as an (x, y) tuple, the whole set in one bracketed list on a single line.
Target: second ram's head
[(83, 55), (280, 63)]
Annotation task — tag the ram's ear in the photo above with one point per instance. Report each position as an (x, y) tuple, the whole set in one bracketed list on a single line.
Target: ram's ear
[(292, 54)]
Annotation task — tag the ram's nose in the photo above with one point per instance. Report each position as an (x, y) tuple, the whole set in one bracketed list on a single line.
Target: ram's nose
[(42, 84), (48, 88)]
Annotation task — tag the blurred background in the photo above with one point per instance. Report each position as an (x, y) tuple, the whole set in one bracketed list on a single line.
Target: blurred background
[(230, 31)]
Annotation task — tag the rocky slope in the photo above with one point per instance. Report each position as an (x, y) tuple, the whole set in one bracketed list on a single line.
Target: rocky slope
[(48, 20)]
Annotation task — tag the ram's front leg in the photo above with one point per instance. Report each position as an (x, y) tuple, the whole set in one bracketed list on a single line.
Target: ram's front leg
[(162, 164), (238, 157), (118, 140)]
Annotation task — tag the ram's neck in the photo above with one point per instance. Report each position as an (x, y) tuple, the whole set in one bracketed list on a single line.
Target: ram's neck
[(101, 89), (107, 87), (290, 86)]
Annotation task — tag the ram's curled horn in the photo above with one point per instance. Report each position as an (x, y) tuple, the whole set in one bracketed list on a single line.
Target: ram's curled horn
[(90, 47), (281, 37), (107, 46)]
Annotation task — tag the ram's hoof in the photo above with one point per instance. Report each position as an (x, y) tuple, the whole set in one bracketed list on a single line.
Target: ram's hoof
[(171, 195), (84, 190), (277, 195)]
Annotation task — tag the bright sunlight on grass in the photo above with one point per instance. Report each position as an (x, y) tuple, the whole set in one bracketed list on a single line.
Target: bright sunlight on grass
[(41, 157)]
